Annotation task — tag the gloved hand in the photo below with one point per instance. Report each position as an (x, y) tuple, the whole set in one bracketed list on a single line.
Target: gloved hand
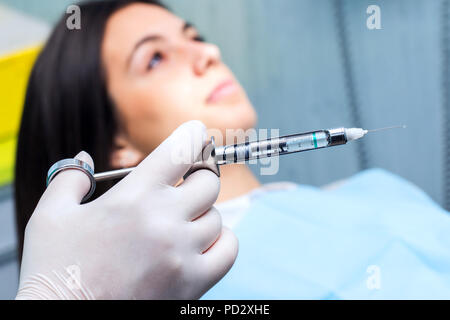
[(143, 239)]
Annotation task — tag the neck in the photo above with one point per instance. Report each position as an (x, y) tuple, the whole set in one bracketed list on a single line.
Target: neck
[(236, 180)]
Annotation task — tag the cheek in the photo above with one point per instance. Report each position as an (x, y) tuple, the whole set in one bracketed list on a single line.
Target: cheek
[(150, 112)]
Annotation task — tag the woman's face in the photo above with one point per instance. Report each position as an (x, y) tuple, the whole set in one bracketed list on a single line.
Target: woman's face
[(159, 75)]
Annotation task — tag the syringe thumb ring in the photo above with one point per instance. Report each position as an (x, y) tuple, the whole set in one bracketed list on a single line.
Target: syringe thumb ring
[(73, 164)]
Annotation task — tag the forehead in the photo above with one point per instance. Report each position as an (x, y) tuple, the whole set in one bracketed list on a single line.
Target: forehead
[(135, 21)]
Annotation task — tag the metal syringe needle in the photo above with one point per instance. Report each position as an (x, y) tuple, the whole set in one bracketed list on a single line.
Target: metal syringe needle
[(388, 128)]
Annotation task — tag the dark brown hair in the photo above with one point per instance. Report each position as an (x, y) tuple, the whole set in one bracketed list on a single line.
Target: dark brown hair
[(67, 108)]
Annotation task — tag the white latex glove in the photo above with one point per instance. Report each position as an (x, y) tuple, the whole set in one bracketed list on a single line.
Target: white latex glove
[(143, 239)]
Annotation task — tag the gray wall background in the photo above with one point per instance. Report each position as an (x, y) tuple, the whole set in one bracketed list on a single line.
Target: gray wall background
[(290, 57)]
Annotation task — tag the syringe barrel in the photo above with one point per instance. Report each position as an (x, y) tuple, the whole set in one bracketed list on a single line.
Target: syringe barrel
[(281, 145), (247, 151)]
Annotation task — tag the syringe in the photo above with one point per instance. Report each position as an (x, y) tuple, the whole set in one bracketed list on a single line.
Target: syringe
[(213, 156), (285, 145)]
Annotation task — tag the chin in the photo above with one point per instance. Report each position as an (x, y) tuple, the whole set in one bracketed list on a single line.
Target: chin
[(247, 119), (232, 117), (240, 125)]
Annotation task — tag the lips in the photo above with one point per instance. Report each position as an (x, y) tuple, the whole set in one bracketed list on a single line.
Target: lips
[(224, 89)]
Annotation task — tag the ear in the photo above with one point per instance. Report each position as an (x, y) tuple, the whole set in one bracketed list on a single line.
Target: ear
[(124, 154)]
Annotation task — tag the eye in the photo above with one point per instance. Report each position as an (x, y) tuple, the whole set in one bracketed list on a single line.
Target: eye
[(155, 60), (199, 38)]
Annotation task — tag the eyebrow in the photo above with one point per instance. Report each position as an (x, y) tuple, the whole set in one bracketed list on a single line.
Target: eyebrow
[(151, 38)]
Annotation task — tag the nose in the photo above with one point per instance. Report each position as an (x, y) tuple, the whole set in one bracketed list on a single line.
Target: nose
[(206, 55)]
